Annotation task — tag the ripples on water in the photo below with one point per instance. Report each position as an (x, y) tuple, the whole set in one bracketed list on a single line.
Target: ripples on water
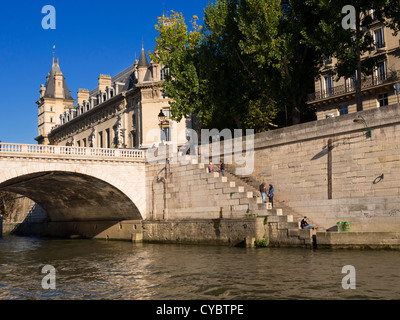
[(113, 270)]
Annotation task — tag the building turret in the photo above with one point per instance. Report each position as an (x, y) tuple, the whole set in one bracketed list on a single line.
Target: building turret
[(142, 66), (55, 99)]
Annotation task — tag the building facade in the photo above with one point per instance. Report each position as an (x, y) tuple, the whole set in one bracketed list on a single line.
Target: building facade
[(334, 97), (121, 112)]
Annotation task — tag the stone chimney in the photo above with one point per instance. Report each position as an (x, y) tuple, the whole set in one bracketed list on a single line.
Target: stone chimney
[(104, 82), (83, 94)]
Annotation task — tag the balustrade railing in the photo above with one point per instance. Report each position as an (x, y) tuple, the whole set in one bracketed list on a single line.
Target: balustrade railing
[(70, 151)]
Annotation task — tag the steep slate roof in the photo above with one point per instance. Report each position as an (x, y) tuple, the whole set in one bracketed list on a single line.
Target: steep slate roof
[(143, 59), (126, 76), (51, 85)]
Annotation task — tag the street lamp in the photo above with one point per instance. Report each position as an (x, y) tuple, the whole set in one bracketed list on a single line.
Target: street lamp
[(360, 119), (161, 118)]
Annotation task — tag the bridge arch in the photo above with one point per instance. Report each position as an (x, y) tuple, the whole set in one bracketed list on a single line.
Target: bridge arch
[(77, 193)]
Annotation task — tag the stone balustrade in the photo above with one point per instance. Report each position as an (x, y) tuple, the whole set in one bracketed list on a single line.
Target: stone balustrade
[(14, 148)]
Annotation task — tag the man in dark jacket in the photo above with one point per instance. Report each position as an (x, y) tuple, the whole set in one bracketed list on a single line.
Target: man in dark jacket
[(271, 194), (304, 224)]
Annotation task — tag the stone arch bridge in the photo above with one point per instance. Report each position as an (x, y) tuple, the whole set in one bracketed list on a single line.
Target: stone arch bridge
[(89, 192)]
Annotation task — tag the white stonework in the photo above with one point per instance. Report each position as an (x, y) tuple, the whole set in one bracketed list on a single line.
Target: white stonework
[(123, 177)]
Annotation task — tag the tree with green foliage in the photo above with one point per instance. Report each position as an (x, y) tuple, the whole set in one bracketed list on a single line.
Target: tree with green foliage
[(177, 50), (7, 203), (206, 72), (274, 35), (255, 60)]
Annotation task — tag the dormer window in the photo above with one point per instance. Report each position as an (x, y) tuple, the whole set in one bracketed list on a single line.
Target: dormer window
[(164, 72)]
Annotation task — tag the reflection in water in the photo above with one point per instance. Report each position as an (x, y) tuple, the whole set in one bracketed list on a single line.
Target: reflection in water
[(97, 269)]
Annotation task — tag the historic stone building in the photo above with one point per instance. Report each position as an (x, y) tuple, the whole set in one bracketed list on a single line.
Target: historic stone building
[(122, 111), (334, 97)]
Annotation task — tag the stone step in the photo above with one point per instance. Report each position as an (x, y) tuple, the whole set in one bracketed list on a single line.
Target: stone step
[(243, 195), (221, 185), (288, 225), (233, 190), (248, 199), (261, 206), (267, 212), (306, 233), (293, 232), (216, 179), (280, 219)]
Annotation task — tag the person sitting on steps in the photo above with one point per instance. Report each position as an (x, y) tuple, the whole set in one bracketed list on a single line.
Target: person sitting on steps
[(211, 167), (305, 225)]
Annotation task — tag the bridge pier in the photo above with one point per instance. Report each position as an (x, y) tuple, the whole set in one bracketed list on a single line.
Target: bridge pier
[(109, 230)]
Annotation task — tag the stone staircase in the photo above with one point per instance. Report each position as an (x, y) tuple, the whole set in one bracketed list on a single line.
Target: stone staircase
[(252, 185), (234, 198)]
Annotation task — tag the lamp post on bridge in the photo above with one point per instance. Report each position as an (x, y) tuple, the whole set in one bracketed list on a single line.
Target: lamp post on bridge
[(161, 119), (164, 180)]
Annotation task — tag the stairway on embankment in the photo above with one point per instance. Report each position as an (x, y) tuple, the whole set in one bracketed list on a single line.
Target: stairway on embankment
[(253, 185), (231, 197)]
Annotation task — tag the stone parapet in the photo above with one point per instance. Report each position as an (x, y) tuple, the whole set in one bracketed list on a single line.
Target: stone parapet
[(371, 240)]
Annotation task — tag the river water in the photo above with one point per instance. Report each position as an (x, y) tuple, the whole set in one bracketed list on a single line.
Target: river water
[(114, 270)]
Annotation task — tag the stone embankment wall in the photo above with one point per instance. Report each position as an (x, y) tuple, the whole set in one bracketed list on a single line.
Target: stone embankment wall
[(330, 170), (205, 231)]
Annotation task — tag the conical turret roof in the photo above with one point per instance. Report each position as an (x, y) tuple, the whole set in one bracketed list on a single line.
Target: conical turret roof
[(51, 82), (143, 59)]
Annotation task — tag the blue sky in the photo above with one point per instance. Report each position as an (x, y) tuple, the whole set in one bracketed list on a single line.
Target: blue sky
[(91, 38)]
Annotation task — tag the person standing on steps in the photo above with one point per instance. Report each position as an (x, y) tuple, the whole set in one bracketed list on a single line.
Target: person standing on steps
[(271, 194), (263, 191), (222, 168)]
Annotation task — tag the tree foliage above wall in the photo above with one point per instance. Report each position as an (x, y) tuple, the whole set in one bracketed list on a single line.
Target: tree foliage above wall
[(253, 62)]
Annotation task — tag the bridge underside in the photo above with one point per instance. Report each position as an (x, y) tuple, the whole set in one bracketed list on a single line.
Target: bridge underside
[(69, 197)]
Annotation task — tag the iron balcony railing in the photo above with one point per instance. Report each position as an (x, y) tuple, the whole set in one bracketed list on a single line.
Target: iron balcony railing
[(350, 86)]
